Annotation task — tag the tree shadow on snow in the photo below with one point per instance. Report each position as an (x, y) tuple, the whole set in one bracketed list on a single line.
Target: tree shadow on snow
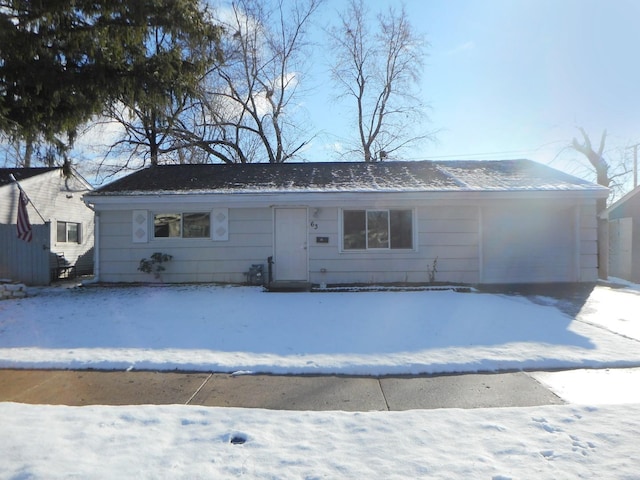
[(569, 298)]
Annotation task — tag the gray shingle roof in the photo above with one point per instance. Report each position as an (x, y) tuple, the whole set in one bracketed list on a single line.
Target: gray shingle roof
[(418, 176), (21, 173)]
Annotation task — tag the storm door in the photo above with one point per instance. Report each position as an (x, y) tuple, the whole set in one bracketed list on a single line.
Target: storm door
[(290, 259)]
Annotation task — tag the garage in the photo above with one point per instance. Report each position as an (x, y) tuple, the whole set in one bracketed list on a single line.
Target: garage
[(528, 243)]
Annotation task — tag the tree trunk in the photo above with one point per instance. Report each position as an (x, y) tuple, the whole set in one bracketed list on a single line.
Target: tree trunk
[(601, 167), (153, 148), (28, 153)]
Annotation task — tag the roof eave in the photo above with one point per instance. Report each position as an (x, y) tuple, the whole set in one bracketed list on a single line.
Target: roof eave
[(621, 201), (131, 199)]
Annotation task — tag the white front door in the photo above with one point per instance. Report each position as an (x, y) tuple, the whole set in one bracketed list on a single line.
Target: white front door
[(290, 258)]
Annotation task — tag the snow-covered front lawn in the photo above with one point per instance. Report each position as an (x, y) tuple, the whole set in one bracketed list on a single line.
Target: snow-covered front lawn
[(232, 329), (225, 329)]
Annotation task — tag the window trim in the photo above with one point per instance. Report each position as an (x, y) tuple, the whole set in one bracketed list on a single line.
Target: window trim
[(388, 249), (66, 231)]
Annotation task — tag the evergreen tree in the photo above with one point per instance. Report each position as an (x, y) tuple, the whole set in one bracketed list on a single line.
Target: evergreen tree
[(63, 61)]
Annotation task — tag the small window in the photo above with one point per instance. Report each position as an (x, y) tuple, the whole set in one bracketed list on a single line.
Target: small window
[(377, 229), (166, 225), (185, 225), (195, 225), (67, 232)]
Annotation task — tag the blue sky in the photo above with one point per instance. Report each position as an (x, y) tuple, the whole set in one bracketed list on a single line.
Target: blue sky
[(503, 79), (515, 78)]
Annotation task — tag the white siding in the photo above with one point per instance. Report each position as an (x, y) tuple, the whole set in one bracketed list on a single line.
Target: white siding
[(620, 247), (194, 259), (479, 242), (528, 243), (68, 206), (56, 199), (449, 234), (588, 242)]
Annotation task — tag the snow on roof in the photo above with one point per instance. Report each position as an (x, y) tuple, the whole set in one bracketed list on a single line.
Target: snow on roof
[(409, 176)]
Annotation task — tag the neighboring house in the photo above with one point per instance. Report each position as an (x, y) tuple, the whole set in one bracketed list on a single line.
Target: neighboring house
[(63, 228), (471, 222), (624, 237)]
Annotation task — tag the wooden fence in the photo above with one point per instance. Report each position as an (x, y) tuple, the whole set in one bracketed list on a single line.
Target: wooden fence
[(24, 262)]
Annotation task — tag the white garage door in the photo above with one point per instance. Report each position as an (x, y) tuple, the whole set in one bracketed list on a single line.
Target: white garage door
[(528, 245)]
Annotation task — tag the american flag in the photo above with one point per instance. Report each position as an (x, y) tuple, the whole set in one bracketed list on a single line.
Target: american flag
[(23, 224)]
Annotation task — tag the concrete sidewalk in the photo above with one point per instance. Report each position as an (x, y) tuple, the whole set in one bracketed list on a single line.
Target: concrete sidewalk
[(88, 387)]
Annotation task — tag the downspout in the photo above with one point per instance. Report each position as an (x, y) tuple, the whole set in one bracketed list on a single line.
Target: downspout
[(480, 246), (96, 244), (577, 247), (96, 247), (603, 243)]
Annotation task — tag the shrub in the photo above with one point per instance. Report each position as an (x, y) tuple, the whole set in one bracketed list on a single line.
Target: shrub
[(154, 264)]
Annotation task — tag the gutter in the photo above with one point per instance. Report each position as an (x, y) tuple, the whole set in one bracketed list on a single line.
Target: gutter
[(333, 198)]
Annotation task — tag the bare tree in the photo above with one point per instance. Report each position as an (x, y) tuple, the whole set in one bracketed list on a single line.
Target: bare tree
[(15, 152), (609, 173), (174, 45), (244, 109), (148, 130), (380, 71), (251, 98)]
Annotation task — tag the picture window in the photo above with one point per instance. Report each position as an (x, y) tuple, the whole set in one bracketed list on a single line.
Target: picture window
[(182, 225), (377, 229)]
